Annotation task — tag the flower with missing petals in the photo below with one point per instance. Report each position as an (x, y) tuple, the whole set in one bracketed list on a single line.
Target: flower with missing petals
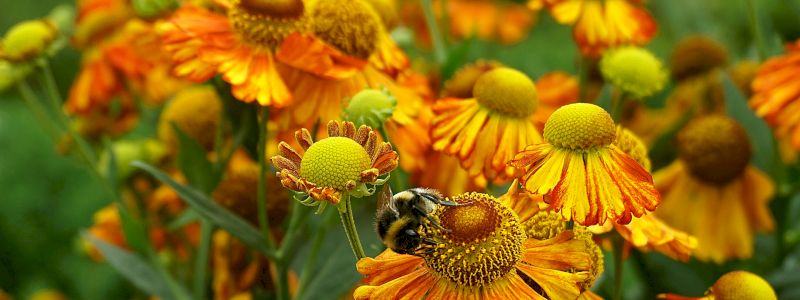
[(344, 162)]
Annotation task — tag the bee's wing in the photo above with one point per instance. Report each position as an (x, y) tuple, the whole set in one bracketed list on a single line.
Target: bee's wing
[(385, 199)]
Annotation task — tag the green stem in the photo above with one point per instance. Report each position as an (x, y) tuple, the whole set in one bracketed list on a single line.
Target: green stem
[(201, 260), (310, 264), (617, 106), (439, 47), (38, 110), (346, 214), (56, 101), (283, 280), (751, 13), (299, 216), (619, 244), (263, 217)]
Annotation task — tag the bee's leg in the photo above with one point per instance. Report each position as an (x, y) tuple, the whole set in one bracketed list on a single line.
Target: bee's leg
[(429, 241), (427, 250), (432, 220)]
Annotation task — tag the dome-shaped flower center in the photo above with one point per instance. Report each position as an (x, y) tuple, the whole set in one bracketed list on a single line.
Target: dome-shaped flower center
[(462, 83), (715, 149), (334, 161), (195, 110), (742, 285), (579, 126), (696, 55), (350, 26), (482, 241), (27, 39), (506, 91), (544, 225), (266, 22), (370, 107), (633, 70)]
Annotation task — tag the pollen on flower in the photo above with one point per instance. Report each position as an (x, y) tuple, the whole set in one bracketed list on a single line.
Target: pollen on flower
[(350, 26), (633, 70), (334, 161), (507, 91), (580, 126), (715, 149), (267, 23), (482, 240)]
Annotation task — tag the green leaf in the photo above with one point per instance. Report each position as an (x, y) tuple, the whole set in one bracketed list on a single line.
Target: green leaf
[(135, 231), (217, 214), (188, 216), (194, 164), (760, 134), (133, 267), (112, 176)]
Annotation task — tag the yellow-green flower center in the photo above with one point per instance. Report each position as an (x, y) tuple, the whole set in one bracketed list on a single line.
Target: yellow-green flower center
[(633, 70), (27, 40), (579, 126), (267, 23), (742, 285), (715, 149), (482, 241), (333, 162), (350, 26), (506, 91), (370, 107), (461, 84)]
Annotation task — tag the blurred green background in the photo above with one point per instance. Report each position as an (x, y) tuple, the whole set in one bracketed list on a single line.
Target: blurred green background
[(46, 199)]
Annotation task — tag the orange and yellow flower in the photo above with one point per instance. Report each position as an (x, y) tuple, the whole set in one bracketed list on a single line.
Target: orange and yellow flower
[(602, 24), (485, 131), (581, 173), (483, 252), (713, 193), (776, 94), (344, 162), (240, 45)]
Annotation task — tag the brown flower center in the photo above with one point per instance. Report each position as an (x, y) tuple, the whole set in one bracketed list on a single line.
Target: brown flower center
[(715, 149), (266, 22), (481, 243)]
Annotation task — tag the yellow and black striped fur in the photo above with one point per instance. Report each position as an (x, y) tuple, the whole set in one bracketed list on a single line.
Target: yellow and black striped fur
[(399, 217)]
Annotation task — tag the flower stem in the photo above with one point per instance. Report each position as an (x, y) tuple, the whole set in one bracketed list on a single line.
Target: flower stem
[(283, 280), (439, 48), (311, 262), (346, 214), (751, 12), (38, 110), (263, 217), (619, 244), (583, 79), (201, 259)]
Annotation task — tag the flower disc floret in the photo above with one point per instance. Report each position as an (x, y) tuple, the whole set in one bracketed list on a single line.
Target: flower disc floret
[(350, 26), (633, 70), (481, 241), (461, 84), (715, 149), (579, 126), (696, 55), (506, 91), (334, 161), (267, 23)]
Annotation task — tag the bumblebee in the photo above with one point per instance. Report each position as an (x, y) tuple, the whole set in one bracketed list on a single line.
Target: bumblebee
[(399, 217)]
